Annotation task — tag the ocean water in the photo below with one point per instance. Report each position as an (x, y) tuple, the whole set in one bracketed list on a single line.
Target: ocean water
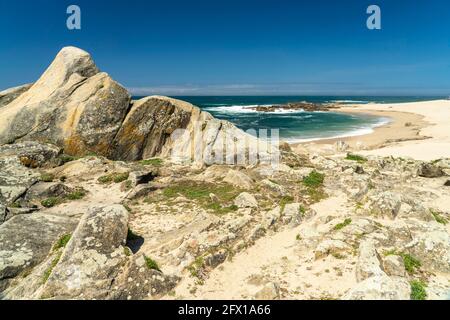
[(296, 126)]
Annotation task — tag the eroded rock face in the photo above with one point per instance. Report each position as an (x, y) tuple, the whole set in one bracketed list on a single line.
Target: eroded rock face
[(72, 105), (82, 110), (93, 257), (380, 287), (25, 241), (9, 95)]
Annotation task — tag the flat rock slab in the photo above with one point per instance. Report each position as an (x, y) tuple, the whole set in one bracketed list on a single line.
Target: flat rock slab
[(26, 240)]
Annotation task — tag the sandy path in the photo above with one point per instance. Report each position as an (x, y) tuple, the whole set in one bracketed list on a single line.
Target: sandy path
[(278, 258)]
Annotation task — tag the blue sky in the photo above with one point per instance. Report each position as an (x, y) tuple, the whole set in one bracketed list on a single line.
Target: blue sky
[(238, 47)]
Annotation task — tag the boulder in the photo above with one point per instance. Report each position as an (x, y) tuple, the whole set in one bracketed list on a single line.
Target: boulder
[(292, 213), (8, 95), (138, 282), (368, 264), (380, 287), (385, 204), (93, 258), (25, 241), (329, 246), (447, 183), (271, 291), (393, 266), (429, 170), (72, 105), (142, 177), (246, 200), (44, 190), (238, 179), (32, 154)]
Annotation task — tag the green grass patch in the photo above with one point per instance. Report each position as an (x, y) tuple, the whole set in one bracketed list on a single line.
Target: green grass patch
[(200, 191), (66, 158), (438, 217), (355, 157), (284, 201), (51, 202), (47, 177), (418, 290), (342, 225), (411, 263), (152, 162), (62, 242), (196, 266), (151, 264), (76, 195), (52, 266), (314, 179), (114, 177)]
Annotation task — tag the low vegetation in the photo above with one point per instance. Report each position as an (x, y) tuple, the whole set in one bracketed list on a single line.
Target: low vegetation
[(152, 162), (342, 225), (438, 217), (201, 191), (114, 177), (355, 157), (62, 242), (314, 185), (411, 263), (52, 266), (151, 264), (77, 194), (418, 290), (47, 177)]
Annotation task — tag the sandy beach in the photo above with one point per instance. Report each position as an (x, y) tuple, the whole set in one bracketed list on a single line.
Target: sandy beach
[(419, 130)]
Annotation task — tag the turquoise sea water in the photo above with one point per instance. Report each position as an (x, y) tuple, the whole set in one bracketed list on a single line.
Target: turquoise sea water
[(296, 125)]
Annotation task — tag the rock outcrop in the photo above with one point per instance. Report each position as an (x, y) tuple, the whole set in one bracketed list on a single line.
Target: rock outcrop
[(82, 110), (7, 96)]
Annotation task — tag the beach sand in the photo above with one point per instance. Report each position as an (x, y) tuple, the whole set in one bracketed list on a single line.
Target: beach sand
[(419, 130)]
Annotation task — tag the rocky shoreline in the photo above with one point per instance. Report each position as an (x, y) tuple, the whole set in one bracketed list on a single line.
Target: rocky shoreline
[(93, 207), (296, 106)]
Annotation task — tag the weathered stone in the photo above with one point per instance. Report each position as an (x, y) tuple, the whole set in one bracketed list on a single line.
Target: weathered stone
[(138, 282), (428, 170), (25, 241), (140, 191), (447, 183), (380, 288), (368, 262), (246, 200), (44, 190), (93, 258), (359, 170), (142, 177), (292, 213), (329, 246), (393, 266), (274, 187), (8, 95), (271, 291), (238, 179), (72, 105), (385, 204)]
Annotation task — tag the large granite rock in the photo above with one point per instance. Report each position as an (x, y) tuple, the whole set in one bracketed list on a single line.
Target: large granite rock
[(72, 105), (93, 258), (25, 241), (82, 110), (9, 95)]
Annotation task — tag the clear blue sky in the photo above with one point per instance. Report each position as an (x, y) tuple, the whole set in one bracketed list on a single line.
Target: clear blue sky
[(238, 47)]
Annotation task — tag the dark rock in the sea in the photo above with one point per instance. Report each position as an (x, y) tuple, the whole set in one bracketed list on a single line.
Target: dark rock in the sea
[(359, 170), (25, 241), (305, 106), (9, 95), (429, 170)]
